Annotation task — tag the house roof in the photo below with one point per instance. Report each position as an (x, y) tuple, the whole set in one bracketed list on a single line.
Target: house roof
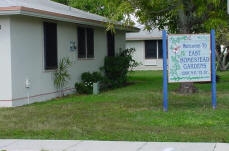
[(144, 35), (56, 11)]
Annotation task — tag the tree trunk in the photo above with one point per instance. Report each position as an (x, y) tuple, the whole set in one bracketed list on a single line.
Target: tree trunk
[(187, 88), (184, 28), (222, 59)]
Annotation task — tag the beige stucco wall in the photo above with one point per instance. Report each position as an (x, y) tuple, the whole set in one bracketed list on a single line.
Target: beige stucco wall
[(27, 58), (5, 62)]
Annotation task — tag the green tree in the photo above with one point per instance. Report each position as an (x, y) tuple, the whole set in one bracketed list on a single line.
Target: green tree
[(178, 16), (183, 16), (114, 10), (222, 53), (92, 6), (100, 7)]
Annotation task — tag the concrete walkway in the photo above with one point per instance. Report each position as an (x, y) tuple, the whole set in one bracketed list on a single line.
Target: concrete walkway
[(77, 145)]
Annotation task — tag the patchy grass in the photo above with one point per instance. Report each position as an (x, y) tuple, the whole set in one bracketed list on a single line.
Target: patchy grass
[(131, 113)]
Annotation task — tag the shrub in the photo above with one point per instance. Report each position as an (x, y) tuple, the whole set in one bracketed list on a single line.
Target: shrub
[(62, 75), (83, 88), (86, 86), (91, 77), (116, 68)]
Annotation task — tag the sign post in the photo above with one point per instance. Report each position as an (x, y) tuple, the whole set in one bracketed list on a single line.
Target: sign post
[(191, 58), (213, 75), (165, 79)]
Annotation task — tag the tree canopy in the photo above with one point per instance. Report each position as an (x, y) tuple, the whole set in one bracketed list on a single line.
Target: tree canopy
[(100, 7), (178, 16), (181, 16)]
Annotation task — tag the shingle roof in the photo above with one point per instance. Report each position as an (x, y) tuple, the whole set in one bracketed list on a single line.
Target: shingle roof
[(51, 10)]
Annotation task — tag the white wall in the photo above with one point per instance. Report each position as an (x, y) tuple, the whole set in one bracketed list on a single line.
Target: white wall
[(28, 56), (139, 56), (27, 60), (120, 39), (5, 62)]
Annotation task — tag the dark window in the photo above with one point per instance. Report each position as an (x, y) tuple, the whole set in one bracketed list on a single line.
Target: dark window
[(50, 45), (160, 50), (90, 43), (110, 43), (85, 42), (150, 49), (81, 43)]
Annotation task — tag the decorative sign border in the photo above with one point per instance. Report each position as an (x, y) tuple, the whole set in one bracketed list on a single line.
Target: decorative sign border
[(189, 58)]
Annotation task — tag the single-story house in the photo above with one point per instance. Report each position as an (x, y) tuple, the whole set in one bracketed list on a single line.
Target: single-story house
[(148, 49), (35, 34)]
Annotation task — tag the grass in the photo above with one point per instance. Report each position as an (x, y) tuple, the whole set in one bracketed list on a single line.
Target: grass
[(132, 113)]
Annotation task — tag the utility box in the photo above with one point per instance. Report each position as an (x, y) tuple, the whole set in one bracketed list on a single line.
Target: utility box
[(96, 88)]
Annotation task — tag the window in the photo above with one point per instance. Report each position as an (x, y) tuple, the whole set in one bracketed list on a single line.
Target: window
[(150, 49), (50, 45), (90, 43), (85, 42), (110, 44), (160, 49), (153, 49), (81, 43)]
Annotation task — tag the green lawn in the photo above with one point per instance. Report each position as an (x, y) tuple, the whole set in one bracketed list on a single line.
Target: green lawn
[(132, 113)]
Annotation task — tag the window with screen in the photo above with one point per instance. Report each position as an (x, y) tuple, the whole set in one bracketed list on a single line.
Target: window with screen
[(50, 45), (85, 42), (160, 49), (150, 49)]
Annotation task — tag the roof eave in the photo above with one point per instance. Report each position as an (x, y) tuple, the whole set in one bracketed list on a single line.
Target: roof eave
[(132, 29), (20, 10), (142, 38), (16, 10)]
